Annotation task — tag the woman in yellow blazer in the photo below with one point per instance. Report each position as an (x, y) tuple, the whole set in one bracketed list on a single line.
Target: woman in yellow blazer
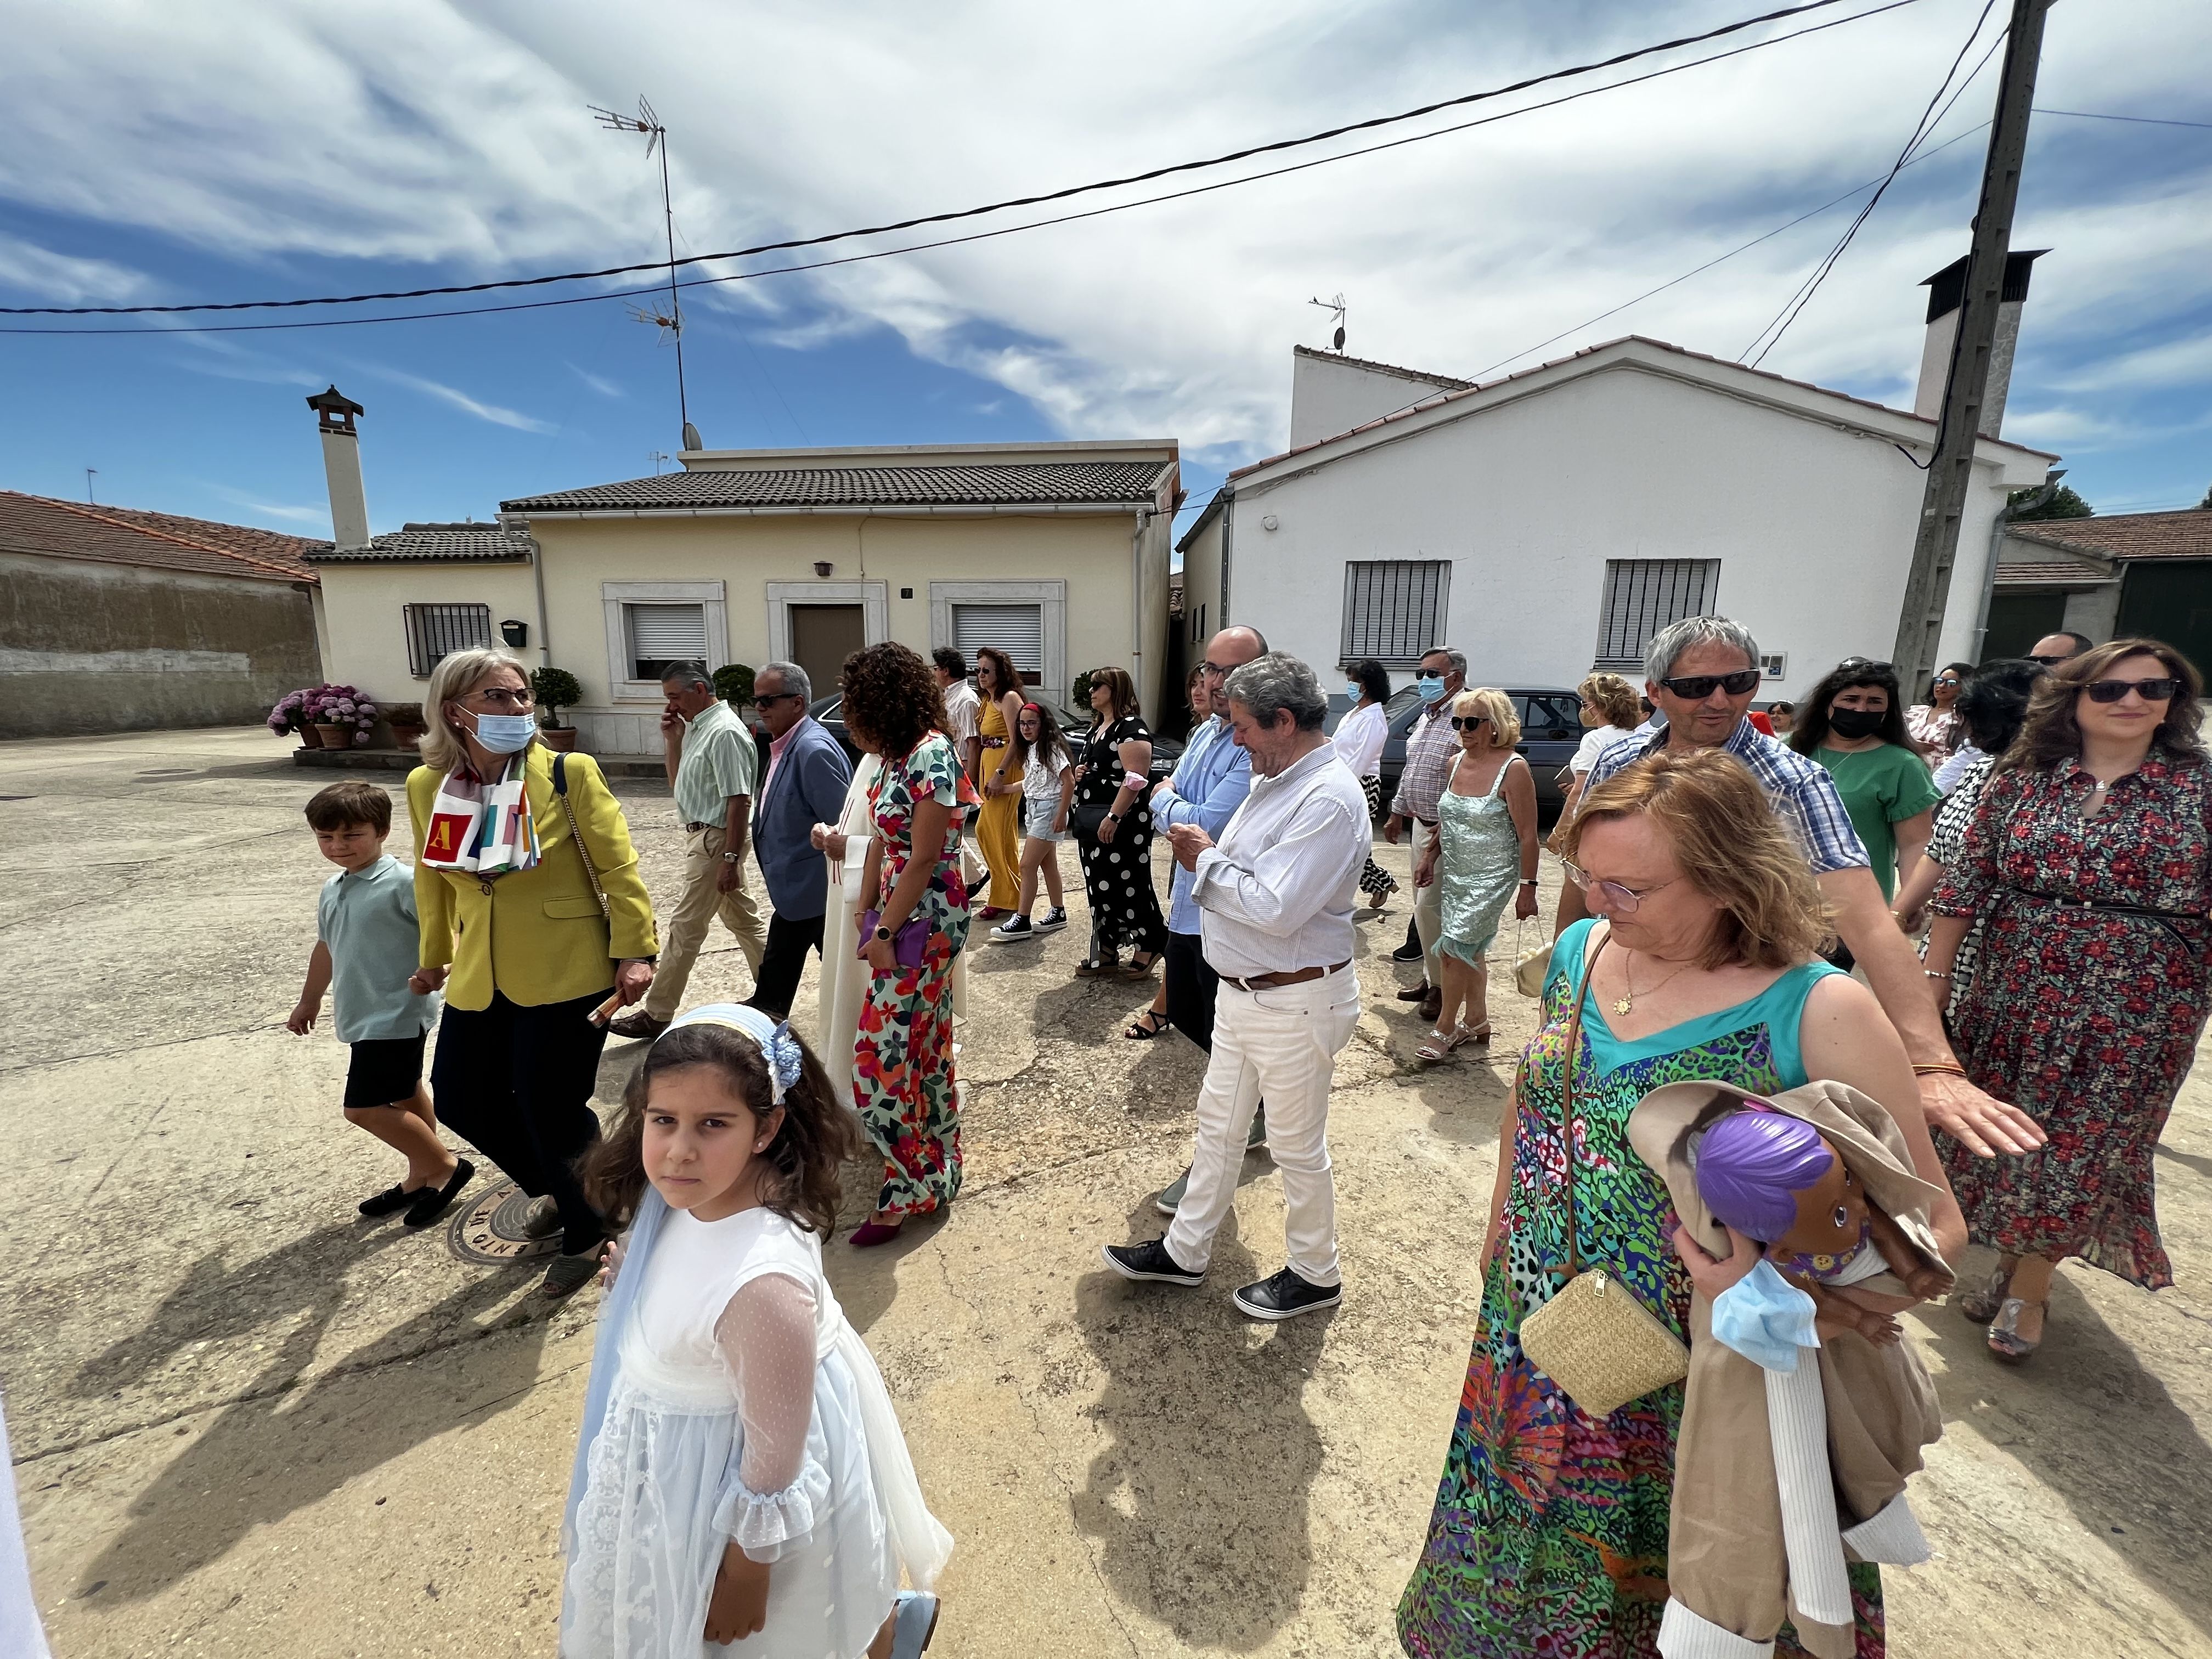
[(514, 933)]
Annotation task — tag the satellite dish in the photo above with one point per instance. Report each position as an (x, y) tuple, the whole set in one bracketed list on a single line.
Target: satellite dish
[(691, 435), (1340, 339)]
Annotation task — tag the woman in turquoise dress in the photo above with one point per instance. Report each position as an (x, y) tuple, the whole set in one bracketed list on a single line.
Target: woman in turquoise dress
[(1549, 1534), (1483, 853)]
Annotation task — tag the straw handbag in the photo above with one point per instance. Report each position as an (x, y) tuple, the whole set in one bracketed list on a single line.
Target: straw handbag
[(1531, 968), (1594, 1338)]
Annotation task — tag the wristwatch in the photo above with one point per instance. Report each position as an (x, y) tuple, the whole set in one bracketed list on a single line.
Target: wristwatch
[(733, 858), (885, 934)]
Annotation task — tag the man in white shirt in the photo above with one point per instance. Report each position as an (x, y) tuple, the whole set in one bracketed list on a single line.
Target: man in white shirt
[(963, 709), (1275, 899)]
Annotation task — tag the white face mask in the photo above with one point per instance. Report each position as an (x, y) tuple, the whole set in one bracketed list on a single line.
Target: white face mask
[(1353, 689)]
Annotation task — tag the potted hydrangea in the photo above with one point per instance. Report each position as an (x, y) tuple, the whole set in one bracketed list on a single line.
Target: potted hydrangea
[(289, 718), (343, 716), (406, 721)]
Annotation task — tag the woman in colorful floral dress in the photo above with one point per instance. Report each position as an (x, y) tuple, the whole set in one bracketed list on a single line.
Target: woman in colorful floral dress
[(1549, 1534), (2089, 864), (902, 1082)]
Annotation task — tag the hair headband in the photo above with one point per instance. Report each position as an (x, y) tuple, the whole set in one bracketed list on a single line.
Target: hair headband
[(774, 1038)]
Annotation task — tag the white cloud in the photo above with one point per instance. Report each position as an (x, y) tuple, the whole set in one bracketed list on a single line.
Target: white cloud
[(44, 276), (457, 399), (309, 515), (598, 383)]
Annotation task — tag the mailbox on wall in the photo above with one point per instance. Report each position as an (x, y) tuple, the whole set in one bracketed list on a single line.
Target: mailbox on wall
[(516, 634)]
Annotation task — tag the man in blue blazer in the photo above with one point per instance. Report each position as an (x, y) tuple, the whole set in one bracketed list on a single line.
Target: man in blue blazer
[(807, 776)]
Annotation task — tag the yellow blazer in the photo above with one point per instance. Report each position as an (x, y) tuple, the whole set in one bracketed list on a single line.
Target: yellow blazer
[(535, 935)]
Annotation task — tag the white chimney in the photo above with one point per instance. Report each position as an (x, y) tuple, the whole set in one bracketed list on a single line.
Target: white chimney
[(1946, 291), (342, 467)]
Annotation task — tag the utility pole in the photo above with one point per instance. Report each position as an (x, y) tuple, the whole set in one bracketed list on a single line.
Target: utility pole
[(1965, 389), (670, 322)]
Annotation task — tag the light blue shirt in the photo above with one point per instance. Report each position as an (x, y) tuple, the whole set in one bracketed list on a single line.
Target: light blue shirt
[(367, 921), (1208, 785)]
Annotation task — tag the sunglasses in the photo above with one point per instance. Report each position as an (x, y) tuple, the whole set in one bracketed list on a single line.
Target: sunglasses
[(2157, 690), (1861, 664), (1627, 900), (1468, 722), (762, 699), (1696, 688), (2050, 662)]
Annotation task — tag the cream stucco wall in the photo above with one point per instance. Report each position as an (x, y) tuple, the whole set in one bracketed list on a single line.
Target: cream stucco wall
[(365, 642), (887, 556)]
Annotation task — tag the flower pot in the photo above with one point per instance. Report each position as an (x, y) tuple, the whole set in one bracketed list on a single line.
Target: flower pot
[(335, 734), (310, 737), (407, 736), (563, 737)]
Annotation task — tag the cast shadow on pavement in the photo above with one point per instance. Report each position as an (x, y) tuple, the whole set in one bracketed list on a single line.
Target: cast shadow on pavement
[(1198, 1499), (2145, 1490), (278, 1448)]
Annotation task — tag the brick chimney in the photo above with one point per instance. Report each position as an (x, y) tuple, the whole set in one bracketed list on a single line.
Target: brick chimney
[(342, 467), (1946, 291)]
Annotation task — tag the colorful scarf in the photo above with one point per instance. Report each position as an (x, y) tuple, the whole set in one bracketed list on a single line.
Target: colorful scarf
[(483, 829)]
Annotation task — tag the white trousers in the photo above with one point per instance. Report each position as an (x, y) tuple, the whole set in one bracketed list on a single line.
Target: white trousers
[(1429, 912), (1280, 1044)]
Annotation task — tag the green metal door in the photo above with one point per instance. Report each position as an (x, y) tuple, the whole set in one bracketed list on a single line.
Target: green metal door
[(2173, 602), (2017, 620)]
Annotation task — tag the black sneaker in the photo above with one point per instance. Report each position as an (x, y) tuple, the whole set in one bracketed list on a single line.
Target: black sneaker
[(1054, 920), (1148, 1261), (431, 1203), (1007, 931), (1407, 953), (392, 1200), (1285, 1296)]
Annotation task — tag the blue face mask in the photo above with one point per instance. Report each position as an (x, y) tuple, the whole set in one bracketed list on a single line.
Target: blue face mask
[(505, 734), (1432, 688), (1354, 690)]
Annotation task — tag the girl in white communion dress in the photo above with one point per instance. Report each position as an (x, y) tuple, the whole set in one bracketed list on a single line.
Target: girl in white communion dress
[(741, 1478)]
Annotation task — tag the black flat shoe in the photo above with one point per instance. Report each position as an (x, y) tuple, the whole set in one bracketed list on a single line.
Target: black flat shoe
[(431, 1203), (390, 1201), (570, 1273), (1284, 1295)]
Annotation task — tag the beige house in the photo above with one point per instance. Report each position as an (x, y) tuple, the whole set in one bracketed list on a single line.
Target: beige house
[(1057, 553)]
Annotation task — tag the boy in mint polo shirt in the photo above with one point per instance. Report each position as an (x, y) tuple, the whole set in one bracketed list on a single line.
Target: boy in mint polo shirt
[(366, 951)]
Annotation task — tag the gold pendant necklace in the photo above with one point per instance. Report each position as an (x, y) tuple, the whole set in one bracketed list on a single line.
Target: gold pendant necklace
[(1627, 1002)]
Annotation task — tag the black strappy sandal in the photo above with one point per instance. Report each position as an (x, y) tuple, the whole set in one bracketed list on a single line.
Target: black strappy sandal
[(1147, 1025), (1098, 968)]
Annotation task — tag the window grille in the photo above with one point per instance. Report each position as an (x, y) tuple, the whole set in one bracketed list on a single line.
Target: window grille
[(1394, 609), (436, 631), (1642, 596), (661, 635), (1016, 629)]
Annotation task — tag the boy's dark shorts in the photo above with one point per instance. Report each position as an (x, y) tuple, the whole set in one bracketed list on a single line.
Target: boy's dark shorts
[(384, 1072)]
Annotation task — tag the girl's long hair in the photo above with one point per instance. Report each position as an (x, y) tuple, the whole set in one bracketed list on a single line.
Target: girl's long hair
[(1809, 725), (818, 1133), (1049, 740), (2051, 734)]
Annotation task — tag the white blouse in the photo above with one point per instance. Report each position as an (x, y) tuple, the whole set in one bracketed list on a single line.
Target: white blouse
[(1359, 738)]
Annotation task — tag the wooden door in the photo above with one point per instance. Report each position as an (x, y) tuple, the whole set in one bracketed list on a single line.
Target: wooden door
[(822, 637)]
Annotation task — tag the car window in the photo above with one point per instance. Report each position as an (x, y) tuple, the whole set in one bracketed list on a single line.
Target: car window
[(1546, 716)]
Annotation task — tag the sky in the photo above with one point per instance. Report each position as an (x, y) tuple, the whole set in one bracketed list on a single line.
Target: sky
[(230, 150)]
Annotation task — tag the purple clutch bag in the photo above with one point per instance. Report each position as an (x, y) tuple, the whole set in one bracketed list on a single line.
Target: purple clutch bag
[(907, 945)]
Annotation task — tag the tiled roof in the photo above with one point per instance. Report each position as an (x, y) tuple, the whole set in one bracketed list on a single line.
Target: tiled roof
[(1442, 397), (2051, 572), (1019, 484), (1445, 380), (162, 541), (435, 543), (2185, 535)]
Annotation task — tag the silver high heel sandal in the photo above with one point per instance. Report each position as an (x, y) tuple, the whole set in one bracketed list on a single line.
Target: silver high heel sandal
[(1981, 1303), (2005, 1340)]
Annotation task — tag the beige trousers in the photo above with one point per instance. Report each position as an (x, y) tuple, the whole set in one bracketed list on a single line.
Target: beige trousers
[(683, 929), (1429, 912)]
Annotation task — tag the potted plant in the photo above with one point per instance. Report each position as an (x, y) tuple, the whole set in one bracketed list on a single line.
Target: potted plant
[(405, 720), (556, 688), (289, 718), (733, 684), (343, 716)]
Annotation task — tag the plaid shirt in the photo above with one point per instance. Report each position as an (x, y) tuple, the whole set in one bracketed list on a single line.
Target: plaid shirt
[(1429, 750), (1801, 791)]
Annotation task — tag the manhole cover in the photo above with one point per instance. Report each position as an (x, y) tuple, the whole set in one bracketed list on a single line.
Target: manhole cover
[(490, 1230)]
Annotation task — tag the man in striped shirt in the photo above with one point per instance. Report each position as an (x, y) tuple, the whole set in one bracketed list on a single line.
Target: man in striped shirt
[(1429, 751)]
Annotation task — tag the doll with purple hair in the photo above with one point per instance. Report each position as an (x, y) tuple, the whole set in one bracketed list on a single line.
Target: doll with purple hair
[(1775, 1178)]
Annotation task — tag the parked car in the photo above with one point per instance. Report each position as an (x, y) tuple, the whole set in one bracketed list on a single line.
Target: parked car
[(1166, 751), (1551, 730)]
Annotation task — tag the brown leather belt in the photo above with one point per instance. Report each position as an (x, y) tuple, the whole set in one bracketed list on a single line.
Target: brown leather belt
[(1276, 981), (694, 828)]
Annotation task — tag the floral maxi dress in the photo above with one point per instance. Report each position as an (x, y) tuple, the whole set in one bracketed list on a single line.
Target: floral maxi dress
[(902, 1082), (2093, 1022), (1549, 1534)]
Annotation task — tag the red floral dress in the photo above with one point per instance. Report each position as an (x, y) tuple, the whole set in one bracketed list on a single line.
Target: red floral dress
[(903, 1082), (2086, 1018)]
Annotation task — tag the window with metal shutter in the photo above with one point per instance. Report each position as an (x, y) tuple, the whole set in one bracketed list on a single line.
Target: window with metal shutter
[(1642, 596), (660, 634), (1016, 629), (1394, 609), (436, 631)]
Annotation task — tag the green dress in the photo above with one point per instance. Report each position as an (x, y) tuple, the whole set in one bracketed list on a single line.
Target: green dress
[(1549, 1534), (1881, 787)]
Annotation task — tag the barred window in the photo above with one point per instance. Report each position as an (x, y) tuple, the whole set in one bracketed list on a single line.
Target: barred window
[(436, 631), (1642, 596), (1394, 609)]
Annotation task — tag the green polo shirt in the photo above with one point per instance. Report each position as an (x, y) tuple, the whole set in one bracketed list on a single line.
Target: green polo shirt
[(718, 761), (1880, 787)]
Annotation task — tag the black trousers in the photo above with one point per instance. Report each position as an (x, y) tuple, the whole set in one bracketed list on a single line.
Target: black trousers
[(516, 1083), (789, 940), (1192, 986)]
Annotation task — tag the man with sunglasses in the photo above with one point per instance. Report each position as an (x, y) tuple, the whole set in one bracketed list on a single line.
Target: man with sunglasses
[(2062, 646), (807, 776), (1430, 747), (1702, 672)]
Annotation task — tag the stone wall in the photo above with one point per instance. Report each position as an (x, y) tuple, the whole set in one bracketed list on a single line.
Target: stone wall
[(88, 647)]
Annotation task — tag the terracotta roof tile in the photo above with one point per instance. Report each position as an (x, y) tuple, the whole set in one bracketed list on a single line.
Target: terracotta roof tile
[(164, 541), (2185, 535), (436, 544), (2050, 573), (1025, 484)]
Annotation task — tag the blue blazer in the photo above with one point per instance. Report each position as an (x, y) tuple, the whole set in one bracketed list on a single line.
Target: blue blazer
[(807, 789)]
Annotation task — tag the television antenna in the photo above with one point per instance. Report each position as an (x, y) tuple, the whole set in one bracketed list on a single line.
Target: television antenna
[(670, 321), (90, 473), (659, 458), (1337, 308)]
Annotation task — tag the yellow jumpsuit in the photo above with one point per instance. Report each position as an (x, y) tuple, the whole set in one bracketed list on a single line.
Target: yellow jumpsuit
[(999, 826)]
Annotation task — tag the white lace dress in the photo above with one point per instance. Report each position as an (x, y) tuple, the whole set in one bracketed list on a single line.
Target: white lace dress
[(744, 1407)]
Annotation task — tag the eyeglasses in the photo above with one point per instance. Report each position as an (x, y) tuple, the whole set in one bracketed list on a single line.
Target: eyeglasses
[(1696, 688), (499, 696), (1627, 900), (1467, 723), (762, 699), (2050, 662), (2157, 690)]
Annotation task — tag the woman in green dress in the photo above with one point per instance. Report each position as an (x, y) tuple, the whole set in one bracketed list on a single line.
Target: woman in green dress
[(1853, 724), (1549, 1534)]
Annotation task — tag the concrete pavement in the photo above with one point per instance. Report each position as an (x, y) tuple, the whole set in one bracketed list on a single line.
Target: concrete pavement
[(248, 1424)]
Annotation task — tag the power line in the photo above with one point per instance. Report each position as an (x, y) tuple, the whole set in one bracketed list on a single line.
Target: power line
[(962, 213)]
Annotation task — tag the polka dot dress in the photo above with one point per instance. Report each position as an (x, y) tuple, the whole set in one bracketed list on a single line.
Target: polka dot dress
[(1125, 908)]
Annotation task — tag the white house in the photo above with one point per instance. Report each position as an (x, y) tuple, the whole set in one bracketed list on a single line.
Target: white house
[(1552, 520)]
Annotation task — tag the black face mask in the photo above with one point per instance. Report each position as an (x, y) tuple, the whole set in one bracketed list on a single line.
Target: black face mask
[(1855, 723)]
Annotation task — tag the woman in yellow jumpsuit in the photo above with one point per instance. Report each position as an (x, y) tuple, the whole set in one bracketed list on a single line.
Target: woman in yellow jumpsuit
[(998, 780)]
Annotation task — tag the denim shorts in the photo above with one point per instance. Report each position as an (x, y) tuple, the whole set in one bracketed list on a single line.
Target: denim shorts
[(1036, 820)]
